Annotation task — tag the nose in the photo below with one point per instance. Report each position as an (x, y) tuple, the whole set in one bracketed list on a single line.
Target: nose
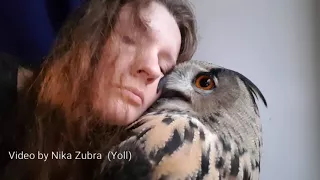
[(146, 66)]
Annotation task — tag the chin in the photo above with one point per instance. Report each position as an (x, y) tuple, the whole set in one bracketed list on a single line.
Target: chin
[(131, 115), (117, 110), (122, 114)]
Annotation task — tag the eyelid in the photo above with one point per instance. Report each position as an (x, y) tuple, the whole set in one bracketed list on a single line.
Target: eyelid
[(167, 56), (167, 71)]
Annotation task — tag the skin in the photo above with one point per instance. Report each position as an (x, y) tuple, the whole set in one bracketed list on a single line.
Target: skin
[(137, 69), (132, 67)]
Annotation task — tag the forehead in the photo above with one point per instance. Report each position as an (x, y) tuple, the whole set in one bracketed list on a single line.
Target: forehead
[(163, 27), (162, 24)]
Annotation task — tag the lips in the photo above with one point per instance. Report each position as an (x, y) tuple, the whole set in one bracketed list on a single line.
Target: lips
[(136, 92)]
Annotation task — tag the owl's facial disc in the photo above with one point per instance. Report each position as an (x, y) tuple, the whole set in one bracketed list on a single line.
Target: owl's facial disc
[(167, 93), (162, 83), (174, 94)]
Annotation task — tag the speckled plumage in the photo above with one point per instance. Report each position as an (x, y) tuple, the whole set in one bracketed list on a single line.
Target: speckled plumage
[(192, 133)]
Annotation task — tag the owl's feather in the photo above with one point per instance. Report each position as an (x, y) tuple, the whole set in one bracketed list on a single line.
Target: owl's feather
[(195, 133)]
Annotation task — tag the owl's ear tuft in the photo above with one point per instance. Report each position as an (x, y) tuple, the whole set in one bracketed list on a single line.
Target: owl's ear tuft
[(254, 91)]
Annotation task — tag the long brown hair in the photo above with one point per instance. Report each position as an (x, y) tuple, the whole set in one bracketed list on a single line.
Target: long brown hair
[(56, 111)]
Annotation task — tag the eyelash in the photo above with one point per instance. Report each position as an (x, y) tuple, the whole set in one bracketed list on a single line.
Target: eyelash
[(166, 71)]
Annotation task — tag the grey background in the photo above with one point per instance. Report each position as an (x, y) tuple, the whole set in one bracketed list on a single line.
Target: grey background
[(275, 43)]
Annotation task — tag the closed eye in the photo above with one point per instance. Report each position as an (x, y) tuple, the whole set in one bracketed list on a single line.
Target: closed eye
[(167, 69), (167, 61)]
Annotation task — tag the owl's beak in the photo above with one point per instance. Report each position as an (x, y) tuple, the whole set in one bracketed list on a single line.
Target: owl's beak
[(168, 93), (174, 94)]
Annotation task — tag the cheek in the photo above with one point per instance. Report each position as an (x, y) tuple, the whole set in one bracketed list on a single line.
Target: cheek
[(113, 65)]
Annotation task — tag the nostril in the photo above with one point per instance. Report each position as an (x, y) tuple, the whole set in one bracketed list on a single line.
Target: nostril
[(139, 71), (150, 80)]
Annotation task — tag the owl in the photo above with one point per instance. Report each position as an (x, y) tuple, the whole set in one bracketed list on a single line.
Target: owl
[(205, 125)]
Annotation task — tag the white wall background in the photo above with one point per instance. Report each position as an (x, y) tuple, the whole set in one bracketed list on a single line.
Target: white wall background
[(272, 42)]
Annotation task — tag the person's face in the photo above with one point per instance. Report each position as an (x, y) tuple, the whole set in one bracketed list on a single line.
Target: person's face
[(139, 62)]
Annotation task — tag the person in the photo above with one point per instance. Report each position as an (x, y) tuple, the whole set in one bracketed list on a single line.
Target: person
[(101, 75)]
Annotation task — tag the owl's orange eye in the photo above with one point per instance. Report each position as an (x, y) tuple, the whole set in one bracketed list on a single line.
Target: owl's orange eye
[(204, 82)]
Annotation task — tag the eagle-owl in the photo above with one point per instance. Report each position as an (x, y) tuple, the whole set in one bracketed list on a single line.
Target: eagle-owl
[(205, 125)]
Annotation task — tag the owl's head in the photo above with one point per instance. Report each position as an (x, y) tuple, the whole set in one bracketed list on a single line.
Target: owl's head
[(205, 88)]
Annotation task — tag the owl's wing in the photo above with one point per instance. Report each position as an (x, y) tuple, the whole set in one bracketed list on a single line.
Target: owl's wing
[(172, 146)]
